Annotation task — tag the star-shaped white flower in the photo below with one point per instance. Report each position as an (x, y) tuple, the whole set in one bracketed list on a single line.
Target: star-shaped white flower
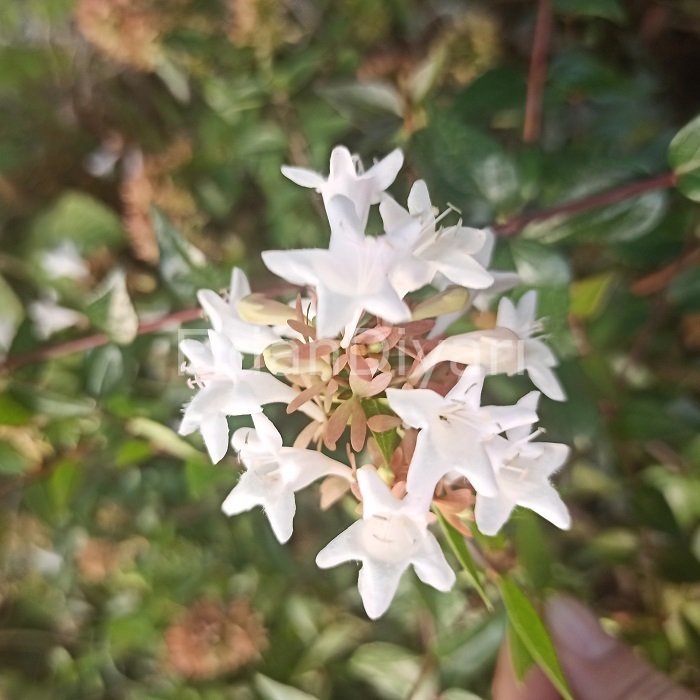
[(347, 178), (224, 316), (478, 298), (391, 536), (422, 251), (350, 277), (454, 431), (522, 472), (227, 390), (274, 473), (537, 358)]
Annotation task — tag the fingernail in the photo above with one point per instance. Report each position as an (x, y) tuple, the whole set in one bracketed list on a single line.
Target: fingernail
[(576, 629)]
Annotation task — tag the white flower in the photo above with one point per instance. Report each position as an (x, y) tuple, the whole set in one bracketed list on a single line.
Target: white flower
[(523, 469), (424, 252), (478, 298), (225, 318), (64, 261), (49, 317), (391, 536), (537, 358), (347, 178), (274, 473), (508, 348), (350, 277), (454, 430), (227, 390)]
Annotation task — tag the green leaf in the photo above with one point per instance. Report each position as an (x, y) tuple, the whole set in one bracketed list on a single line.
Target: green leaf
[(392, 671), (588, 296), (539, 264), (388, 440), (163, 438), (12, 314), (274, 690), (361, 100), (684, 158), (519, 655), (607, 9), (80, 218), (533, 552), (528, 626), (112, 310), (65, 479), (459, 547), (12, 462), (182, 266)]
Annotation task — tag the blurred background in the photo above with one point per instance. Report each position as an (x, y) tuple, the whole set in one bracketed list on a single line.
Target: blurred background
[(140, 148)]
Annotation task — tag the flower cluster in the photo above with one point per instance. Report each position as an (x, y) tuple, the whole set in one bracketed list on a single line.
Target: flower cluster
[(361, 352)]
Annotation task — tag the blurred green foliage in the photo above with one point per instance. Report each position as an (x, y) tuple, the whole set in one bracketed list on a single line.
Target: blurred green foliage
[(121, 578)]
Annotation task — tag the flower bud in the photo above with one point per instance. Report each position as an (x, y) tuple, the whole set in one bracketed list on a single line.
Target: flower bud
[(452, 299), (282, 358), (257, 308)]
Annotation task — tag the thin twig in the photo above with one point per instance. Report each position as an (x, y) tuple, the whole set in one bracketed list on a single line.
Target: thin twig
[(594, 201), (95, 341), (509, 228), (538, 72)]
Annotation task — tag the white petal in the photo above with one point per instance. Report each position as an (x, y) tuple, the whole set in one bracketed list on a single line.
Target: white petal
[(344, 222), (394, 216), (546, 381), (546, 502), (345, 547), (469, 387), (240, 287), (240, 499), (300, 468), (267, 433), (295, 266), (387, 305), (214, 307), (475, 465), (215, 433), (507, 316), (425, 470), (491, 513), (385, 171), (529, 401), (377, 583), (431, 566), (465, 271), (419, 199), (198, 353), (553, 456), (377, 499), (342, 164), (416, 407), (334, 312), (303, 176), (280, 512), (527, 308), (508, 417)]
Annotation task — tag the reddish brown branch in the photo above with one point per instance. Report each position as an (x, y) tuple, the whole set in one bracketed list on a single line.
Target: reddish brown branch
[(95, 341), (594, 201), (538, 72), (509, 228)]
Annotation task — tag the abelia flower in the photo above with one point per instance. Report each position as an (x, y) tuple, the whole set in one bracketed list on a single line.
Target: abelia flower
[(392, 535), (274, 473), (522, 471), (454, 432), (350, 277), (347, 178), (226, 319), (227, 390), (365, 358)]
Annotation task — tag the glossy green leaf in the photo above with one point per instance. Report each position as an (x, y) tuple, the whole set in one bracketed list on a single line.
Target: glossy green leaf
[(527, 624), (461, 551), (684, 157), (520, 657)]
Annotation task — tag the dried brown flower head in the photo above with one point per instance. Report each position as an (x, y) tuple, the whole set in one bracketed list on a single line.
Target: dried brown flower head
[(211, 639)]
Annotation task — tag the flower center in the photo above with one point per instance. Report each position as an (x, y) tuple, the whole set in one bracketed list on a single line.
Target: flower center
[(390, 538)]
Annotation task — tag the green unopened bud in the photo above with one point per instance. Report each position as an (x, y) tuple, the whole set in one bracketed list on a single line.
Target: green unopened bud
[(257, 308), (452, 299)]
